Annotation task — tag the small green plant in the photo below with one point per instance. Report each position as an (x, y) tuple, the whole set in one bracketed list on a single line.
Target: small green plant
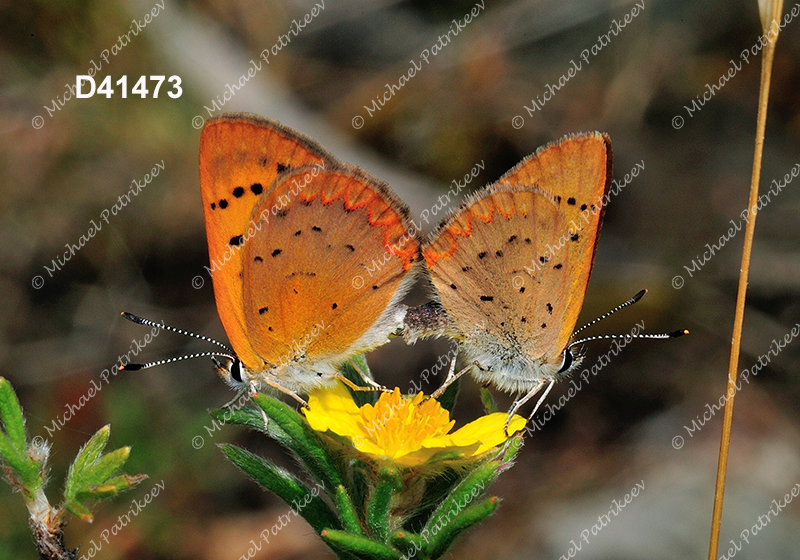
[(399, 483), (91, 476)]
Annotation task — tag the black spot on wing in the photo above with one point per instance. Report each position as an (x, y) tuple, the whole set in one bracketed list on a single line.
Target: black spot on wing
[(487, 298), (334, 306), (236, 241), (281, 168), (223, 204), (571, 201), (258, 259), (352, 249), (256, 188), (277, 252), (213, 205), (558, 266), (263, 310), (549, 308), (238, 192), (482, 254), (316, 228)]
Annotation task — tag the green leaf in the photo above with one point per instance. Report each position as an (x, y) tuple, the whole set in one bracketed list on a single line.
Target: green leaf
[(359, 546), (347, 511), (79, 510), (89, 475), (111, 488), (414, 545), (11, 416), (303, 441), (107, 464), (378, 504), (24, 471), (88, 454), (442, 539), (286, 486)]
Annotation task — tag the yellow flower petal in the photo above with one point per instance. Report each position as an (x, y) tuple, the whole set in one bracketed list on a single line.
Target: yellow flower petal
[(406, 430)]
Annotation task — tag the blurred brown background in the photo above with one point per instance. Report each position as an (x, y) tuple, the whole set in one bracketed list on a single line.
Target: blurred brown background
[(457, 111)]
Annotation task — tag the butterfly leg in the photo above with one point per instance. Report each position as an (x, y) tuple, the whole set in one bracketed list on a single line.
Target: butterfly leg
[(451, 377), (368, 380), (528, 396), (284, 390), (374, 386)]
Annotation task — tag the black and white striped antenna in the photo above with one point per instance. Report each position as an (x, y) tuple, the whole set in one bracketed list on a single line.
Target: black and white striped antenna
[(142, 321), (628, 303)]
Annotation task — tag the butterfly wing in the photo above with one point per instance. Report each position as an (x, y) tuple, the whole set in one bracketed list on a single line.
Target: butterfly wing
[(241, 157), (324, 277), (576, 170)]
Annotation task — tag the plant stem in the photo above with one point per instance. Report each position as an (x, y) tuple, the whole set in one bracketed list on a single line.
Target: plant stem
[(766, 73)]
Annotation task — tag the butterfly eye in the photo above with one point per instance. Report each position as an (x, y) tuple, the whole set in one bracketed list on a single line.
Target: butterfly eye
[(566, 363), (237, 373)]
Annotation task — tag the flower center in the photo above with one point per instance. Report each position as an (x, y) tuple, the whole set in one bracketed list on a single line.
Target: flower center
[(400, 424)]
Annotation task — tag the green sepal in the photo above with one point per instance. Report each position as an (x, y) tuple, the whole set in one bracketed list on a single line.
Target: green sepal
[(359, 397), (347, 511), (377, 514), (450, 396), (488, 401), (471, 515), (436, 491), (414, 545), (284, 485), (304, 442), (358, 546), (468, 490)]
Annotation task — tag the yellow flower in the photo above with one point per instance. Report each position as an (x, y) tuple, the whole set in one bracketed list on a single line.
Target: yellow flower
[(406, 430)]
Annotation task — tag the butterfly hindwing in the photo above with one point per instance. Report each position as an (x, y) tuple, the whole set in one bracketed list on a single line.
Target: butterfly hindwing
[(323, 278), (576, 171), (485, 264)]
